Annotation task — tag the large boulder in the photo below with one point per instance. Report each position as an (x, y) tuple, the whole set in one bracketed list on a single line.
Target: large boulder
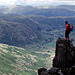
[(64, 60), (71, 71), (64, 54), (52, 71)]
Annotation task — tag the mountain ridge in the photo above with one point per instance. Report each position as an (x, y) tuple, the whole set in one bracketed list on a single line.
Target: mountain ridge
[(30, 10), (22, 30)]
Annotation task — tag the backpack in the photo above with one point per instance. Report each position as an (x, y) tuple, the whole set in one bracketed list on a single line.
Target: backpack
[(70, 27)]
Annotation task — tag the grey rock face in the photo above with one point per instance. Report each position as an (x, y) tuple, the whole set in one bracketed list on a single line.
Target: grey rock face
[(64, 54), (64, 60)]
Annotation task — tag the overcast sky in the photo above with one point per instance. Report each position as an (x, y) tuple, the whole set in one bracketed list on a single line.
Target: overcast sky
[(37, 2)]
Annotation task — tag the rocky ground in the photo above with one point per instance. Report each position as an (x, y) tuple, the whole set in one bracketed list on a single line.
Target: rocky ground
[(64, 60)]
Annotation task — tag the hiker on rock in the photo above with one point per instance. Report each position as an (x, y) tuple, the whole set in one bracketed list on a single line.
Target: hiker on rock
[(69, 28)]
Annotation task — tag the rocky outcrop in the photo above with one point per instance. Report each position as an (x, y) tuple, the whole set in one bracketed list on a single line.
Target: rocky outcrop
[(64, 60), (52, 71), (64, 55)]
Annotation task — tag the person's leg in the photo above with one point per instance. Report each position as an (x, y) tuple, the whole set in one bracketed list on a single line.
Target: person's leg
[(67, 34)]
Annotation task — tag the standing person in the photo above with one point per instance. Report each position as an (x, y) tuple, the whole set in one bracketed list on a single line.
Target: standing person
[(67, 31)]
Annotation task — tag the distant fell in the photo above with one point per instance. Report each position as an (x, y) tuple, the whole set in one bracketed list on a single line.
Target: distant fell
[(48, 11)]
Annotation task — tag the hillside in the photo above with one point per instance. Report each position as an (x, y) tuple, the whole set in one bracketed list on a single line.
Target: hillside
[(17, 31), (26, 30), (72, 7), (16, 60)]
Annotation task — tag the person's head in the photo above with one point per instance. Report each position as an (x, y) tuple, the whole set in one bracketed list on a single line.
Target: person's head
[(66, 22)]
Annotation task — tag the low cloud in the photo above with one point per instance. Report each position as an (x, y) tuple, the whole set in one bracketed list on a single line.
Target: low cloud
[(37, 2)]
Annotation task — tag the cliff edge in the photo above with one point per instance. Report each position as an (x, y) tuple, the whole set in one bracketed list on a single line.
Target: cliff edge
[(64, 60)]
